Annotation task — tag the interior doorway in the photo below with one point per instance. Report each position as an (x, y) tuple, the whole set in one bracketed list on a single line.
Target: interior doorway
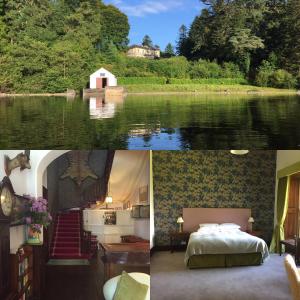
[(291, 224)]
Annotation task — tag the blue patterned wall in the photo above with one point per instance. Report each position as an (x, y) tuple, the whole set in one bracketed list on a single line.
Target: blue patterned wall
[(212, 179)]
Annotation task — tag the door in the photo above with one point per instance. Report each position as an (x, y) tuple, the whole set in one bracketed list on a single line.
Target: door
[(291, 221), (99, 83)]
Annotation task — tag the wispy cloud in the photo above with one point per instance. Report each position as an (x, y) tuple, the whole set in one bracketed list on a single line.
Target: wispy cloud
[(147, 7)]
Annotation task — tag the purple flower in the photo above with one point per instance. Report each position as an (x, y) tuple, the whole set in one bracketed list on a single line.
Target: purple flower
[(28, 220)]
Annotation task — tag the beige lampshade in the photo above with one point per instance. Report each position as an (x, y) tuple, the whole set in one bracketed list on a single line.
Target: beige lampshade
[(239, 152), (180, 220), (250, 220), (108, 199)]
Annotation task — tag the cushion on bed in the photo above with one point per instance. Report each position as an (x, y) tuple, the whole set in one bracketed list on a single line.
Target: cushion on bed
[(130, 289), (208, 225), (230, 225)]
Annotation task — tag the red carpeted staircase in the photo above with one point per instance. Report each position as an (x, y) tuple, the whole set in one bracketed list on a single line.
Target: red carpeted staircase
[(67, 237)]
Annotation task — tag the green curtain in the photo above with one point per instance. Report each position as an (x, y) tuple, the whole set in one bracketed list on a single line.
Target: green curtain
[(281, 209)]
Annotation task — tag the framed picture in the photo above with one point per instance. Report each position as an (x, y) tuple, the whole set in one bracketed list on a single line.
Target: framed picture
[(145, 211), (21, 205), (140, 211), (143, 195), (135, 213), (110, 218)]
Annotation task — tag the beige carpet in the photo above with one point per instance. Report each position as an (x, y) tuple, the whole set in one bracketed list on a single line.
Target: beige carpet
[(171, 280)]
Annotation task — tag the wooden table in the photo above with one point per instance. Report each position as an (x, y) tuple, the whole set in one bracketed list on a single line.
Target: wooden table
[(176, 236), (129, 254)]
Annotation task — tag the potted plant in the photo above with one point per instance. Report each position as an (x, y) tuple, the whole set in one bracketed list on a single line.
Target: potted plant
[(36, 217)]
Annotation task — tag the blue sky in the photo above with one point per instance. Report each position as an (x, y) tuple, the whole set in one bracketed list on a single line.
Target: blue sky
[(160, 19)]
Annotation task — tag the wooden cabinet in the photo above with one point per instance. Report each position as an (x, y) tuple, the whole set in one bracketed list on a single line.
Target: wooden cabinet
[(4, 261), (178, 239), (22, 273)]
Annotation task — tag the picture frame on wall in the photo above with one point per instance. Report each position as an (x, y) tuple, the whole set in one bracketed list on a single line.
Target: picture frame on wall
[(143, 195), (21, 205)]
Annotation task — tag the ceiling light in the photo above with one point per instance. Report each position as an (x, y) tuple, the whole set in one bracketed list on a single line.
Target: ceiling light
[(239, 152)]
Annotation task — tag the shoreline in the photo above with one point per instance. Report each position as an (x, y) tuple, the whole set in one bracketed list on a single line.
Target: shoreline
[(261, 93), (4, 95), (144, 90)]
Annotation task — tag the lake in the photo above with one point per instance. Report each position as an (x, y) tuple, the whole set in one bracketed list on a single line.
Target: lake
[(151, 122)]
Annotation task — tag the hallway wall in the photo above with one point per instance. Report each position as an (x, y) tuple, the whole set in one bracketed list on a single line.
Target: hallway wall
[(66, 193)]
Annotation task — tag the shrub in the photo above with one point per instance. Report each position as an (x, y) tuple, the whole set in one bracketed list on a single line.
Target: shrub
[(264, 74), (142, 80), (231, 70), (221, 81), (174, 67), (282, 79), (205, 69)]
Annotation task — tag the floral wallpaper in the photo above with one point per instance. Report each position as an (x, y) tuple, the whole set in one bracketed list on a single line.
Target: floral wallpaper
[(212, 179)]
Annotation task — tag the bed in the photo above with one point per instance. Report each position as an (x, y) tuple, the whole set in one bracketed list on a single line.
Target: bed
[(227, 245)]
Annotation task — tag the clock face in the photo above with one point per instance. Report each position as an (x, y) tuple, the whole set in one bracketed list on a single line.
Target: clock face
[(6, 201)]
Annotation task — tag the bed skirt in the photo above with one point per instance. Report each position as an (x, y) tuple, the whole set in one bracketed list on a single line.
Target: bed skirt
[(224, 260)]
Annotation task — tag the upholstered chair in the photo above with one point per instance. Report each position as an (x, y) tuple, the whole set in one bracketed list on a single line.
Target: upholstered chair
[(110, 286), (294, 276)]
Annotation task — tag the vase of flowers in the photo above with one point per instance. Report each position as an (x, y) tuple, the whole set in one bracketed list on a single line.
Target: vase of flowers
[(36, 217)]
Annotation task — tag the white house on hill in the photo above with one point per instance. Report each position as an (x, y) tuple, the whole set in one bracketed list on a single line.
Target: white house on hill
[(101, 79)]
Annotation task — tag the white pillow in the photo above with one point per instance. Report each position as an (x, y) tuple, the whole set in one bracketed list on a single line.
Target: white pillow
[(208, 225), (211, 229), (230, 225)]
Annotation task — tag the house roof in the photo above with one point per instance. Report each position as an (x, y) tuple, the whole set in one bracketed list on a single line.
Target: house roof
[(143, 47), (102, 70)]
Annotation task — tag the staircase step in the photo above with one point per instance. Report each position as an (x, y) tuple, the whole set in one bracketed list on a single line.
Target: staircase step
[(67, 239), (66, 244), (67, 231), (66, 250)]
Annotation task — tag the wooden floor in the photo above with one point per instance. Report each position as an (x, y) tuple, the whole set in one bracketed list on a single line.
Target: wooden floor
[(79, 282)]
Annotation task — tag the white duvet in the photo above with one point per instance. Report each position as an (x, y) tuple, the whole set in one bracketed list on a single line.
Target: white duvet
[(224, 241)]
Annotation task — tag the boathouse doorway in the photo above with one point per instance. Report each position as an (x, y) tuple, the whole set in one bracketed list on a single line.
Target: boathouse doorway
[(101, 83)]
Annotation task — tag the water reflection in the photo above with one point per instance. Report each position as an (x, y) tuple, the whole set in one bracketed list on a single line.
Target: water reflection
[(151, 122), (101, 108)]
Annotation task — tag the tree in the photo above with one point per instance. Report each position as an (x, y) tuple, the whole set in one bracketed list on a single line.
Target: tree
[(291, 24), (183, 43), (169, 51), (243, 43), (2, 7), (115, 26), (147, 41)]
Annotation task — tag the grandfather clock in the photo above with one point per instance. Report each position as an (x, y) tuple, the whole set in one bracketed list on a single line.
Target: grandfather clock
[(7, 199)]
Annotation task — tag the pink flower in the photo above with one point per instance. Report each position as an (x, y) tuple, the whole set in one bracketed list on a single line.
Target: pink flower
[(28, 220)]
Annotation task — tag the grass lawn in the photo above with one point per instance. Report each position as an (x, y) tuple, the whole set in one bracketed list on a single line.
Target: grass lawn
[(204, 88)]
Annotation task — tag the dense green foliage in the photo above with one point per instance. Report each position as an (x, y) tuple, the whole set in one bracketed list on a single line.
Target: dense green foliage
[(252, 34), (142, 80), (48, 46)]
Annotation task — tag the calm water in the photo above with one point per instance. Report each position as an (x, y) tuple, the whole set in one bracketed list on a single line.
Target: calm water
[(151, 122)]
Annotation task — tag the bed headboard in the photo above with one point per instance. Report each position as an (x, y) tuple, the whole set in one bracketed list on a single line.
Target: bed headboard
[(194, 216)]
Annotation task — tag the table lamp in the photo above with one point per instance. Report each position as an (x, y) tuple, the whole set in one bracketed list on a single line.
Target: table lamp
[(180, 221), (250, 221)]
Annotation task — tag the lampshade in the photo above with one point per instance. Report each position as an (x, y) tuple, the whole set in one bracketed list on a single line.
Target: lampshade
[(180, 220), (108, 199), (239, 152), (250, 220)]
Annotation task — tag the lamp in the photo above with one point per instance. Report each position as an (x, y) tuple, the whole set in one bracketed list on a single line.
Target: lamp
[(180, 221), (250, 221), (239, 152), (108, 199)]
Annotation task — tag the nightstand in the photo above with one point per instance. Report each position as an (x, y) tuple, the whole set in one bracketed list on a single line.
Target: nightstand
[(257, 233), (177, 239)]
